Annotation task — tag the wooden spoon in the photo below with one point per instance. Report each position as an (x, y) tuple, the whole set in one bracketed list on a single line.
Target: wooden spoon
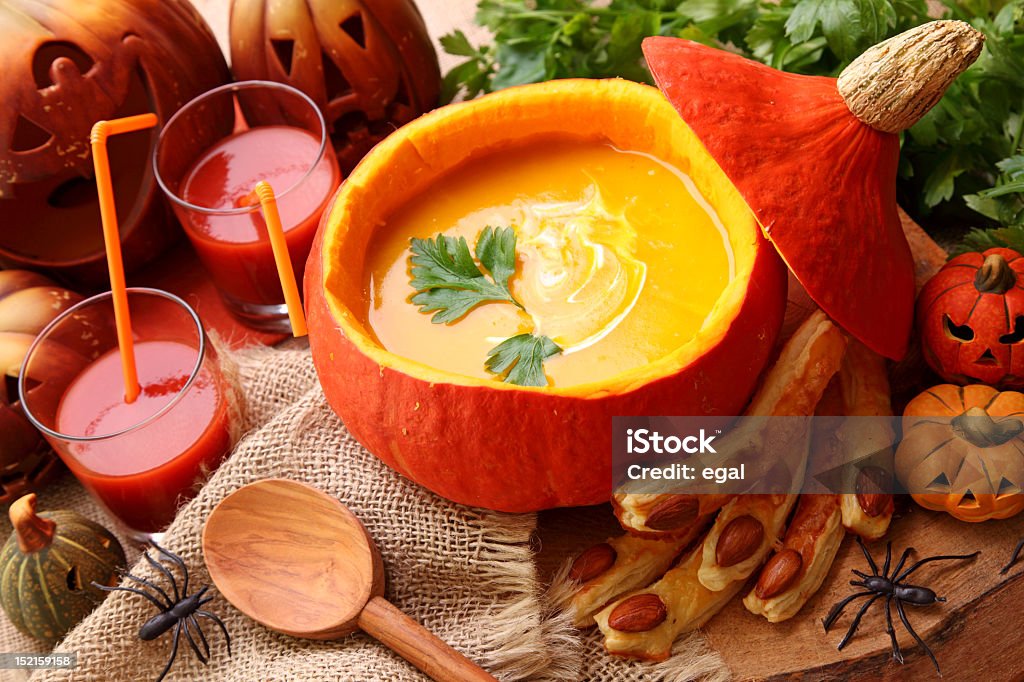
[(296, 560)]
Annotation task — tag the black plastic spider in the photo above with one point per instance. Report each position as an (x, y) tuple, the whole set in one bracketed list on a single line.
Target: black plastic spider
[(892, 587), (179, 613)]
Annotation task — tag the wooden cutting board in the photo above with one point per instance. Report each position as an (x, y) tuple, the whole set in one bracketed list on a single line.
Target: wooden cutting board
[(975, 634)]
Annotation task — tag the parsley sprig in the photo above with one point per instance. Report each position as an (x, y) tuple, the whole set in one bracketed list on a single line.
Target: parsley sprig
[(449, 283), (965, 154), (448, 279), (522, 358)]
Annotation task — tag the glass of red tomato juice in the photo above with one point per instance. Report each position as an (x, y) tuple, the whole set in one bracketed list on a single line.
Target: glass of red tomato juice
[(140, 460), (208, 159)]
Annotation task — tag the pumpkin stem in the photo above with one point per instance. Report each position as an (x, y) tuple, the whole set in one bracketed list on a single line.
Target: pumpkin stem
[(34, 532), (995, 275), (980, 430), (894, 83)]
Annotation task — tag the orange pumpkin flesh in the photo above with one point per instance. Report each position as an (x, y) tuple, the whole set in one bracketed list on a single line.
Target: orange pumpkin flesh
[(821, 183), (482, 442)]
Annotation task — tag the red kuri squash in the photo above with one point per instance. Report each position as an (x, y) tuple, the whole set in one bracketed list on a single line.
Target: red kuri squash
[(491, 444)]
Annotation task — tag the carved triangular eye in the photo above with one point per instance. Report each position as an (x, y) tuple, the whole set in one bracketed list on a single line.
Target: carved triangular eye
[(960, 332), (1007, 488), (28, 135), (284, 49), (336, 84), (74, 579), (353, 26), (1017, 335), (940, 484)]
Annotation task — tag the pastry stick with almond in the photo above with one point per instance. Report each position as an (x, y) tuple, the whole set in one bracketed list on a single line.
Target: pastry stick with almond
[(864, 382), (619, 565), (792, 387), (796, 572), (819, 524), (645, 623), (799, 566)]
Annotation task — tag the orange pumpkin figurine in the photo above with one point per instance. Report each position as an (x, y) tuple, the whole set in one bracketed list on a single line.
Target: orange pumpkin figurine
[(971, 318), (961, 451)]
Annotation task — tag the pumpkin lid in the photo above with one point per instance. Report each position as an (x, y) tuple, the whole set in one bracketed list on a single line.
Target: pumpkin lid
[(816, 160)]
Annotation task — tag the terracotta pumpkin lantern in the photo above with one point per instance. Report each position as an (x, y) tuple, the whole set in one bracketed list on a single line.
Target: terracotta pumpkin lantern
[(67, 64), (971, 319), (368, 64), (963, 451), (816, 160)]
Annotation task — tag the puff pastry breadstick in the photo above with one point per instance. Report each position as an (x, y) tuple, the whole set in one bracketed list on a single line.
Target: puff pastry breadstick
[(796, 572), (646, 623), (864, 383), (792, 387), (741, 538), (620, 565)]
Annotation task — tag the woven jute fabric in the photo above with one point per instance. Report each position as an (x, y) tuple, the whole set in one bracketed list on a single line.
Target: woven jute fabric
[(469, 575), (466, 574)]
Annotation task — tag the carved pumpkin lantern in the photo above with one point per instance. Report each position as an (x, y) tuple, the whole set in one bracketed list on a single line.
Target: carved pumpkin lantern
[(368, 64), (971, 319), (963, 451), (65, 65), (28, 302)]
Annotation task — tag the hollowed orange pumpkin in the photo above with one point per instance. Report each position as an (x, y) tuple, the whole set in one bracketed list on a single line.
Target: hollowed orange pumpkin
[(486, 443)]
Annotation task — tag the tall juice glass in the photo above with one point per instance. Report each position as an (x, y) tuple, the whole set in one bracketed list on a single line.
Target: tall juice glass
[(140, 460), (208, 159)]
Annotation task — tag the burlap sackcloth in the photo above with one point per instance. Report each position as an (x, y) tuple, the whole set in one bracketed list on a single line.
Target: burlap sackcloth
[(467, 574)]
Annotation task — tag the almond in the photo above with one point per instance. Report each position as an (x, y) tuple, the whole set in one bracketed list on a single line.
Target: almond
[(592, 563), (675, 511), (739, 540), (779, 573), (638, 613), (872, 484)]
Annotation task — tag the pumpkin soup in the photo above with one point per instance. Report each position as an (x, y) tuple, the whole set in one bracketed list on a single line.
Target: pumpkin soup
[(619, 260)]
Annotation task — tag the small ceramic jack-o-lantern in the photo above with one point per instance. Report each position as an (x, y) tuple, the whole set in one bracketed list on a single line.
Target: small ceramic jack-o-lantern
[(368, 64), (66, 64), (971, 319), (963, 451)]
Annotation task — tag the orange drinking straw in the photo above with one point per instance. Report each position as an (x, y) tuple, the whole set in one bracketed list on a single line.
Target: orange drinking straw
[(112, 240), (268, 202)]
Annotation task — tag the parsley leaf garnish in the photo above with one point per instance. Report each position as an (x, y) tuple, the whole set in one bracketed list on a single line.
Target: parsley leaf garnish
[(522, 357), (449, 281)]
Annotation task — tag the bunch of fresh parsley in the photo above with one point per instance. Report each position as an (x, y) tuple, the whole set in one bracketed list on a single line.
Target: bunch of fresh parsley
[(449, 283), (965, 153)]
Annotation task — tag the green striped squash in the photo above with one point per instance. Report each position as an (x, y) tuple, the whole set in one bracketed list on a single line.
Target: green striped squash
[(48, 565)]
